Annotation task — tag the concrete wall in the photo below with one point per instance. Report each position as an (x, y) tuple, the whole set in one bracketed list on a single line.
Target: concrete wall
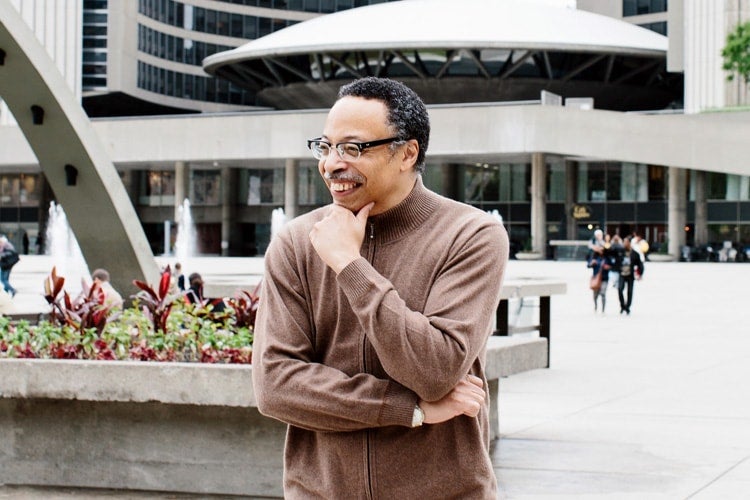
[(179, 427), (58, 25)]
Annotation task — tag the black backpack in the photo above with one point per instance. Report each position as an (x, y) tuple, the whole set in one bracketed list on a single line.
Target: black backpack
[(9, 258)]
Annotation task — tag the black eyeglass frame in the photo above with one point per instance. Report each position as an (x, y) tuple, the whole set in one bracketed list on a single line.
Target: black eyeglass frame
[(361, 146)]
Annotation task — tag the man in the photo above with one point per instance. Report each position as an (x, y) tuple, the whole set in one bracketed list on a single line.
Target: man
[(374, 316), (631, 269), (112, 297)]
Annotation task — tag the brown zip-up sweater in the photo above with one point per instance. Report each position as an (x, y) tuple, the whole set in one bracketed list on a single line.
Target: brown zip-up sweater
[(344, 359)]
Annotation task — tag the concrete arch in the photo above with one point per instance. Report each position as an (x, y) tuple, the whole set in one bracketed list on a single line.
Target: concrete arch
[(72, 157)]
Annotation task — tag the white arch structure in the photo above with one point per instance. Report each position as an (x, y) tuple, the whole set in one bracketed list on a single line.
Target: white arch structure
[(72, 157)]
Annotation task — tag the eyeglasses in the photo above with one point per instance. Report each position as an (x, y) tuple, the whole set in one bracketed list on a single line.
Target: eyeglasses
[(348, 151)]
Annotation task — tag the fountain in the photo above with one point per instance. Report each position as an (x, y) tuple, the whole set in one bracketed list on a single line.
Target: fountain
[(63, 247), (278, 219), (186, 241)]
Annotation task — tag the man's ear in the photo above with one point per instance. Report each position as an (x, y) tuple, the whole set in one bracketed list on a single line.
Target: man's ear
[(410, 153)]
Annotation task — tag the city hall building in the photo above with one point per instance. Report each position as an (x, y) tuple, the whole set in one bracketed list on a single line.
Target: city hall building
[(562, 119)]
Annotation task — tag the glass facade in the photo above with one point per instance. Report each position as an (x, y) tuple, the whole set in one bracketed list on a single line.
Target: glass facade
[(157, 188), (189, 86), (20, 200), (94, 70)]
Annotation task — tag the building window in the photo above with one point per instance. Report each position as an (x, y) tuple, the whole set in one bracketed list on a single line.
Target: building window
[(592, 181), (633, 182), (157, 188), (487, 183), (262, 186), (657, 183), (482, 183), (312, 189), (205, 187), (640, 7), (660, 27), (556, 182), (19, 190)]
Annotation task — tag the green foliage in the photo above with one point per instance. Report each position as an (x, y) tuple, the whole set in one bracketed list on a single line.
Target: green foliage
[(736, 52), (159, 327)]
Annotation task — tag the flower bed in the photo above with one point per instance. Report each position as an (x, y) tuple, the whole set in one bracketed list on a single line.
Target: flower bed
[(160, 326)]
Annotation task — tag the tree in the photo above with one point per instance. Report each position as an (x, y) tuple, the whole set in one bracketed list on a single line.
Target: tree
[(736, 53)]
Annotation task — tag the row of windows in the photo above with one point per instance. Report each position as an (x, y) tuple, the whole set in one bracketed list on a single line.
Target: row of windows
[(94, 68), (596, 182), (640, 7), (175, 48), (209, 21), (255, 187), (186, 86), (483, 184), (171, 11)]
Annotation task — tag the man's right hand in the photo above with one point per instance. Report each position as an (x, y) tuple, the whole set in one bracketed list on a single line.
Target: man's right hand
[(464, 399)]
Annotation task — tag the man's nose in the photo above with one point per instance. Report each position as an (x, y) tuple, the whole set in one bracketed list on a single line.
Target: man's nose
[(334, 162)]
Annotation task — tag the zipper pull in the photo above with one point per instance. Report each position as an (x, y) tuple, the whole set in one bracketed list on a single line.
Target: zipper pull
[(372, 231)]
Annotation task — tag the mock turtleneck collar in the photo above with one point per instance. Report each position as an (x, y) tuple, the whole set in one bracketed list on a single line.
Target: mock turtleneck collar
[(411, 213)]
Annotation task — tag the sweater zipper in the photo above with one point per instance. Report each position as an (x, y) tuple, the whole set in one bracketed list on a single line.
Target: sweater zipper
[(368, 435)]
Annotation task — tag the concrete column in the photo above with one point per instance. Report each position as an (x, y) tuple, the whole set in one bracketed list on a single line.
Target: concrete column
[(181, 186), (538, 203), (291, 189), (228, 212), (571, 188), (677, 210), (700, 234)]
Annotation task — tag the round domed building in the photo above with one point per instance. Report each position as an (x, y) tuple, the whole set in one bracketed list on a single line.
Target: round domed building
[(458, 52)]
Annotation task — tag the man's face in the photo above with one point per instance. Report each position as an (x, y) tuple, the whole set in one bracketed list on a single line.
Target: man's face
[(380, 174)]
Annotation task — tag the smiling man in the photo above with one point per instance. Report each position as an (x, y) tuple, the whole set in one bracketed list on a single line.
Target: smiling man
[(374, 316)]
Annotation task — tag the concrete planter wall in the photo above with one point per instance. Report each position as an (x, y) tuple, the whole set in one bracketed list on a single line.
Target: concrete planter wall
[(178, 427), (182, 427)]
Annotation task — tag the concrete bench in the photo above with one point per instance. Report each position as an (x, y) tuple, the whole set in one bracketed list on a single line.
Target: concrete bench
[(178, 427), (521, 288), (569, 249)]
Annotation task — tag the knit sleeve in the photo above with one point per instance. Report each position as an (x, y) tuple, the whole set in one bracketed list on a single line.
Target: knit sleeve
[(430, 350), (290, 384)]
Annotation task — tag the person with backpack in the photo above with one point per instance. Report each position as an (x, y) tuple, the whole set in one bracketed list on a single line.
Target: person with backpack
[(631, 269), (8, 258), (600, 265)]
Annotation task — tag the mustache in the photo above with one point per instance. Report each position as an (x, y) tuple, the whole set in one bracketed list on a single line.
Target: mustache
[(344, 177)]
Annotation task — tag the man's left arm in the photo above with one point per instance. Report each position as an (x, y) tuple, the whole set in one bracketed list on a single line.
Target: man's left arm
[(431, 351)]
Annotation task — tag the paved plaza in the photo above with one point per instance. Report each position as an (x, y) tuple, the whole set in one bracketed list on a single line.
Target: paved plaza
[(654, 405)]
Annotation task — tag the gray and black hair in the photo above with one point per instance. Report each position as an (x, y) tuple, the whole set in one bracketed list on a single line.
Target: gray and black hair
[(406, 110)]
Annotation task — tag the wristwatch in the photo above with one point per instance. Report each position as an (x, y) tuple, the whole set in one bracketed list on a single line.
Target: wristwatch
[(417, 418)]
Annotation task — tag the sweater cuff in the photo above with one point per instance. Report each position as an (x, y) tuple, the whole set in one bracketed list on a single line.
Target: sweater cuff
[(354, 277), (398, 406)]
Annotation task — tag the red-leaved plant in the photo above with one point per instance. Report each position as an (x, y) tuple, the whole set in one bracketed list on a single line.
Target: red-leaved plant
[(245, 306), (157, 304), (86, 311)]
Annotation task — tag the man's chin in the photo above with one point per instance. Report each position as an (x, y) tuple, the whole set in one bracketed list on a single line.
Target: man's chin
[(354, 207)]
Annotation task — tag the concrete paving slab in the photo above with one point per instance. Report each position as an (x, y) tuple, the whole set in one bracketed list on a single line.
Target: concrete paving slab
[(650, 405)]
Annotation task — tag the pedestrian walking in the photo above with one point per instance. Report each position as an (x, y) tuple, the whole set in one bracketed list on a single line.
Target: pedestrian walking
[(600, 265), (631, 269), (8, 258)]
